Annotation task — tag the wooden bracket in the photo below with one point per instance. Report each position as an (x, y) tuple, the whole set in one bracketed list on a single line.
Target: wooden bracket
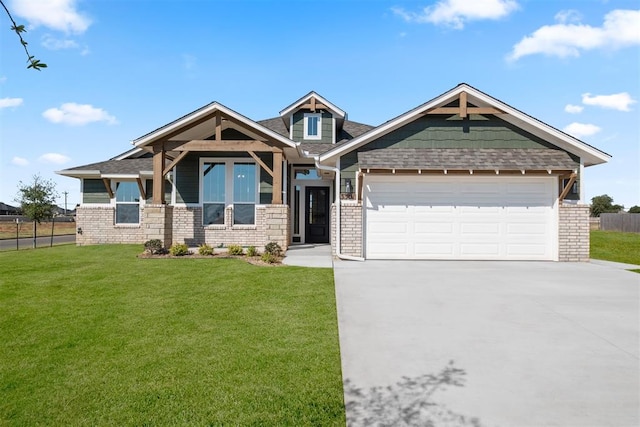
[(260, 162), (143, 193), (107, 185), (567, 188), (174, 162)]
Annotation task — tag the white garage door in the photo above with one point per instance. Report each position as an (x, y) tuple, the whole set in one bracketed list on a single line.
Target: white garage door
[(474, 217)]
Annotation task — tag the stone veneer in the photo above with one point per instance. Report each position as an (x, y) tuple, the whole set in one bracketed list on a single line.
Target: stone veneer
[(157, 221), (351, 228), (96, 226), (573, 233), (272, 225)]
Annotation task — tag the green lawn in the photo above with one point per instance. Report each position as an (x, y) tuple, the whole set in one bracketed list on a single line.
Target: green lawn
[(95, 336), (616, 246)]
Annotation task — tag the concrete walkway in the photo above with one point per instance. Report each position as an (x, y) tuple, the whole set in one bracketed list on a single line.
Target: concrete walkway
[(309, 255), (538, 343)]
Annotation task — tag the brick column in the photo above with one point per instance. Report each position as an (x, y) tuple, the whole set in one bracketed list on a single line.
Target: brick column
[(350, 229), (573, 233), (158, 223)]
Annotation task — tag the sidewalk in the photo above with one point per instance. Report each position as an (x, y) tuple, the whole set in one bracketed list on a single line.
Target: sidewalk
[(309, 255)]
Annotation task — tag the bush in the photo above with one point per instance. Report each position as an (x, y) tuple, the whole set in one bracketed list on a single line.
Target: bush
[(205, 249), (179, 249), (269, 258), (273, 248), (154, 247), (252, 251), (235, 250)]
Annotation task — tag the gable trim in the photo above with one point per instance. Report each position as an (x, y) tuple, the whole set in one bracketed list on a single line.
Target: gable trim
[(516, 117)]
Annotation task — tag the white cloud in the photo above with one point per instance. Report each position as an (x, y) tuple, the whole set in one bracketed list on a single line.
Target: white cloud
[(19, 161), (455, 13), (10, 102), (55, 158), (580, 130), (61, 15), (52, 43), (568, 16), (74, 114), (573, 109), (617, 101), (621, 28)]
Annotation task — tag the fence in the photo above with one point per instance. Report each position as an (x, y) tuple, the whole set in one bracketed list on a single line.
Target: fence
[(625, 222)]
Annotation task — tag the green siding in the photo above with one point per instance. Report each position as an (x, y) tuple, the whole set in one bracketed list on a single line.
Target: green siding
[(449, 132), (94, 191), (326, 125)]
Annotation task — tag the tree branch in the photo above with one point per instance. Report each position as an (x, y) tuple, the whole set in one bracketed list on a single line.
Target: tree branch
[(18, 29)]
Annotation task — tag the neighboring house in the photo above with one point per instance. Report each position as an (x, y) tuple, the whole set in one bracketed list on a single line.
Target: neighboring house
[(8, 209), (463, 176)]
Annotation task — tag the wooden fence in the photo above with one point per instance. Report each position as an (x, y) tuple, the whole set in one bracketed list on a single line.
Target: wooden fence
[(625, 222)]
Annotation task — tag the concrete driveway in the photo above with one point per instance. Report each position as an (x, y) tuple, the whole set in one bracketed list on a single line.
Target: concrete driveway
[(535, 343)]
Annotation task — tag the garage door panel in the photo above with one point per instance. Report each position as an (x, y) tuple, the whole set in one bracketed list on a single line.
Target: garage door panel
[(428, 217)]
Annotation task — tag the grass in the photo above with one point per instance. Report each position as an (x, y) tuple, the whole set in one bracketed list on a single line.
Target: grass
[(616, 246), (25, 229), (96, 336)]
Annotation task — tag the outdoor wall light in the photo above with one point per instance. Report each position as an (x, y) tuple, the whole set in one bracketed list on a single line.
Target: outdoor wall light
[(79, 230), (347, 185)]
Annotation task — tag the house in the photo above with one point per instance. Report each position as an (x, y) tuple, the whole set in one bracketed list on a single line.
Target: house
[(462, 176), (8, 209)]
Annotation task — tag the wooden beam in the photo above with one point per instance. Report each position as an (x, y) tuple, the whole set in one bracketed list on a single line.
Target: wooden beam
[(463, 104), (218, 126), (224, 145), (143, 193), (261, 163), (567, 188), (470, 110), (317, 106), (158, 176), (107, 185), (277, 179), (174, 162)]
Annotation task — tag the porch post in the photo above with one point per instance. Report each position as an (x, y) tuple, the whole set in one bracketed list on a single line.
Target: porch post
[(277, 178), (158, 177)]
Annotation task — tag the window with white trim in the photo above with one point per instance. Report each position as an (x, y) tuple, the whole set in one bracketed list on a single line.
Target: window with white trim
[(312, 126), (229, 182), (127, 202)]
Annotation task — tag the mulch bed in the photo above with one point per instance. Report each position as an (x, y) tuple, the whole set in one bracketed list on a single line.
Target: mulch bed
[(256, 260)]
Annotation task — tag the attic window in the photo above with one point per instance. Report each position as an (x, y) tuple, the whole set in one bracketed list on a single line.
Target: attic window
[(312, 126)]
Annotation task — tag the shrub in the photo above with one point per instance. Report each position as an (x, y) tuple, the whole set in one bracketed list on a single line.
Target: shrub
[(252, 251), (269, 258), (205, 249), (154, 247), (179, 249), (235, 250), (273, 248)]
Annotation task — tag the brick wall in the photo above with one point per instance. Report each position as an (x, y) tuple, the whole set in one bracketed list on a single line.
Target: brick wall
[(350, 228), (98, 227), (573, 233), (272, 225)]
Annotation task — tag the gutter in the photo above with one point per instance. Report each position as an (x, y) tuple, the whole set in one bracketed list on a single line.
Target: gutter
[(338, 203)]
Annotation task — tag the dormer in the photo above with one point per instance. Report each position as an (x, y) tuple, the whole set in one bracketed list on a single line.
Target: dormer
[(312, 118)]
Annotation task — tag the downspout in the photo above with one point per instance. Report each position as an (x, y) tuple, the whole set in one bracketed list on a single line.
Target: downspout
[(339, 254)]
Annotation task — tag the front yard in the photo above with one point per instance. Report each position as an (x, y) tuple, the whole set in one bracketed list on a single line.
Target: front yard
[(616, 246), (96, 336)]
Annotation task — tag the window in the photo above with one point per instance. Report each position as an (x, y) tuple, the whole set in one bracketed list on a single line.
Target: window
[(312, 126), (127, 203), (213, 193), (225, 183), (244, 193)]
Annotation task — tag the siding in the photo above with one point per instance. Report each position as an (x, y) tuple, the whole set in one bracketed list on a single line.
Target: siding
[(93, 191), (449, 132), (298, 127)]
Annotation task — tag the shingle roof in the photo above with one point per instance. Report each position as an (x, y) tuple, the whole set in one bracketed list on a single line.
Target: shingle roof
[(466, 158), (124, 166), (275, 124), (349, 130)]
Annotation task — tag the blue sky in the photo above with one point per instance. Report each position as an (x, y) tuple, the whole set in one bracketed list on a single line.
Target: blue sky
[(121, 68)]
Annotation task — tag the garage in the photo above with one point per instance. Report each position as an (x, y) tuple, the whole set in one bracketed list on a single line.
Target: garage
[(472, 217)]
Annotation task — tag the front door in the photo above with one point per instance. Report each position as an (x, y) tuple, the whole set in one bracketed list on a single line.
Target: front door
[(317, 214)]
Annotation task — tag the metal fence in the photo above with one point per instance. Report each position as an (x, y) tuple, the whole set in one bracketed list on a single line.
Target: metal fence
[(625, 222)]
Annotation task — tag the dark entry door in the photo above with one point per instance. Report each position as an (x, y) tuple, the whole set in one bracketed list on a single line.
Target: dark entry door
[(317, 210)]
